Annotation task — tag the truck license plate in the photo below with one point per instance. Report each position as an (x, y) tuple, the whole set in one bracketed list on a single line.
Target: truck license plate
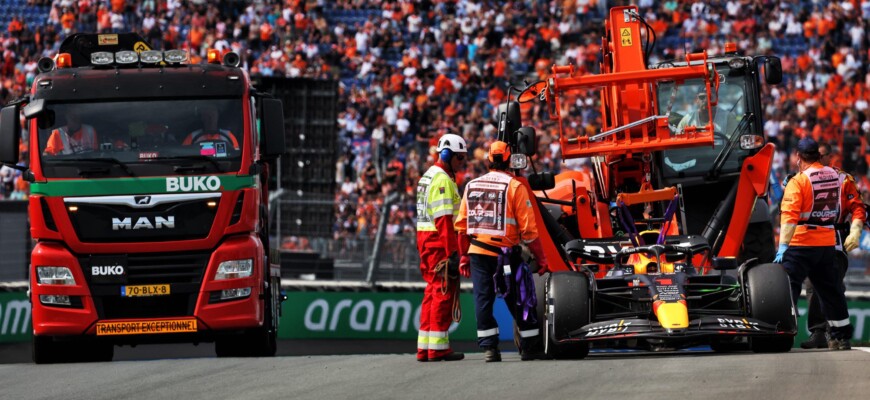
[(144, 290), (146, 327)]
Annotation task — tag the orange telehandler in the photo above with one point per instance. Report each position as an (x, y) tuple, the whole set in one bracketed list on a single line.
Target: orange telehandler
[(665, 242)]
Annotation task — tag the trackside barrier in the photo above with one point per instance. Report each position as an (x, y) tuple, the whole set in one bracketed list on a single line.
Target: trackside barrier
[(353, 312)]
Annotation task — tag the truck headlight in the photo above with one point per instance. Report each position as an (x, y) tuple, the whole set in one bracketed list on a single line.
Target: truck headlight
[(239, 293), (234, 269), (55, 276), (55, 299)]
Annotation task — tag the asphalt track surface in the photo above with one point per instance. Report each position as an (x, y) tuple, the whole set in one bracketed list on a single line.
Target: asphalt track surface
[(387, 370)]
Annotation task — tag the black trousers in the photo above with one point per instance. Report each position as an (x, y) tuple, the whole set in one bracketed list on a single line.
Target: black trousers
[(817, 264), (815, 319), (482, 270)]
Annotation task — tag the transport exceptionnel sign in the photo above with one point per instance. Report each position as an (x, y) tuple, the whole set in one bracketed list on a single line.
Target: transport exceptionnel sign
[(356, 315)]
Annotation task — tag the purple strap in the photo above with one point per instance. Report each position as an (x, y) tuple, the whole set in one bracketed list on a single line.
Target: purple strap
[(526, 296), (669, 213), (524, 282), (628, 223)]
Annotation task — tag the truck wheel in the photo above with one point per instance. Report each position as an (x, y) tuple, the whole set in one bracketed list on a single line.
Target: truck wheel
[(46, 351), (257, 342), (769, 296), (758, 243), (568, 310)]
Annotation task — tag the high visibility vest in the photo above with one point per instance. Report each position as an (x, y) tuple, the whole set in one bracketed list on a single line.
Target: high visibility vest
[(437, 196), (87, 140), (826, 186), (497, 211), (811, 201)]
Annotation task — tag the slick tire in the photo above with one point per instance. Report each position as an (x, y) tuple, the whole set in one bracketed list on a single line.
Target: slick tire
[(769, 298), (758, 243), (567, 310)]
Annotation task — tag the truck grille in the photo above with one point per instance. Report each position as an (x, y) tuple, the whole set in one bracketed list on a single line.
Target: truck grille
[(182, 271)]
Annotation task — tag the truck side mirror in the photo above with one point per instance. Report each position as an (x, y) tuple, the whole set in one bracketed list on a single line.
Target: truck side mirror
[(508, 118), (526, 143), (542, 181), (272, 129), (10, 134), (772, 70)]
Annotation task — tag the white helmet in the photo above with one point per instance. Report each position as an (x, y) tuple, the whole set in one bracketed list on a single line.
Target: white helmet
[(452, 142)]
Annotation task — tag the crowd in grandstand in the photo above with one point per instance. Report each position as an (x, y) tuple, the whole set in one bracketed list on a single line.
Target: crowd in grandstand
[(412, 70)]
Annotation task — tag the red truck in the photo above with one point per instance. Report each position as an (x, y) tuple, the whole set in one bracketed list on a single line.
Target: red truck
[(149, 186)]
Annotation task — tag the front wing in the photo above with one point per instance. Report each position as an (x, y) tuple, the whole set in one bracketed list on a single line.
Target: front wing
[(700, 328)]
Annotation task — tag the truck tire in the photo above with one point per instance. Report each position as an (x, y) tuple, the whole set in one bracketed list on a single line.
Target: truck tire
[(46, 350), (567, 310), (256, 342), (769, 297), (758, 243)]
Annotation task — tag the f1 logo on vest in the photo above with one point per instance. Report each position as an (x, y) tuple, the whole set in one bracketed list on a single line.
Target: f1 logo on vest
[(822, 195)]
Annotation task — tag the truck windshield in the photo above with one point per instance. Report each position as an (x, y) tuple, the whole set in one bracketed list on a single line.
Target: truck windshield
[(141, 138), (685, 101)]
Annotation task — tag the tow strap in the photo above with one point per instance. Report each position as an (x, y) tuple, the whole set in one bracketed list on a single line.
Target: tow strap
[(524, 284)]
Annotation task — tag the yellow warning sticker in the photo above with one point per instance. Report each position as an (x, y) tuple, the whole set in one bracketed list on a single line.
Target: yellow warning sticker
[(107, 40), (625, 36), (140, 47)]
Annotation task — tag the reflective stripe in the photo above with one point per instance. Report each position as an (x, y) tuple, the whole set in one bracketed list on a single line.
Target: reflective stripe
[(426, 226), (487, 333), (441, 202), (530, 333), (510, 221), (805, 215), (423, 340), (442, 213), (438, 341), (839, 324)]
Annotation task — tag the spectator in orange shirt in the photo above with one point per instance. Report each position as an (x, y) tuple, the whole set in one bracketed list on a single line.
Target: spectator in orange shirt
[(67, 20)]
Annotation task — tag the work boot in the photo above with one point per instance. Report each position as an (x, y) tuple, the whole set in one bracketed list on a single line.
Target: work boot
[(451, 356), (491, 354), (818, 340), (530, 355), (839, 344)]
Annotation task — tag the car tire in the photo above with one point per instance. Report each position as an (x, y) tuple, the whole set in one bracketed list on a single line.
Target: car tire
[(567, 304), (769, 297), (758, 242)]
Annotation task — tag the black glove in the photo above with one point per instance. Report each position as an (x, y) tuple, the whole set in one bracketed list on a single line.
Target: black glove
[(453, 265)]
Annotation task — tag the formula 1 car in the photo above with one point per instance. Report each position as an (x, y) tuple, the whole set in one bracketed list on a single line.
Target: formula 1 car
[(654, 298)]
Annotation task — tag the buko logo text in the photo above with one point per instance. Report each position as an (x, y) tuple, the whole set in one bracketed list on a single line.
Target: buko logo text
[(193, 184)]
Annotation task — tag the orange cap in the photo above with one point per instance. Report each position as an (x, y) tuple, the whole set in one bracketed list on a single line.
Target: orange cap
[(499, 148)]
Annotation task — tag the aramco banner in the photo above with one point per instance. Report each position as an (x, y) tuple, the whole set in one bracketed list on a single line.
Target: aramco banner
[(363, 315)]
